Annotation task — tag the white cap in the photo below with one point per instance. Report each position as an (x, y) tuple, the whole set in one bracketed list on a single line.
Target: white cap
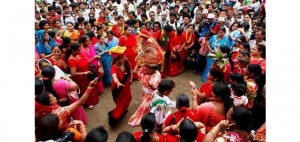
[(221, 19), (148, 2), (211, 16), (205, 11), (115, 4)]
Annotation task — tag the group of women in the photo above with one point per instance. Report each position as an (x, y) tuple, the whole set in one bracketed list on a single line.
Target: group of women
[(73, 65)]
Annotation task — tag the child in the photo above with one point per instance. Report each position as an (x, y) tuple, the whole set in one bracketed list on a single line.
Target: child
[(238, 94), (160, 103), (191, 60)]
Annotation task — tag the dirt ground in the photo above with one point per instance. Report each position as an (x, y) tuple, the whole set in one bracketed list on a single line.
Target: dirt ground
[(99, 116)]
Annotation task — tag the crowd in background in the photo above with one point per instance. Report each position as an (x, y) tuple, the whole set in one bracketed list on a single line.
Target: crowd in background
[(83, 46)]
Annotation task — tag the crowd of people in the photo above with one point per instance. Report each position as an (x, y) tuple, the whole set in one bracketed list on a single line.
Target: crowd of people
[(83, 46)]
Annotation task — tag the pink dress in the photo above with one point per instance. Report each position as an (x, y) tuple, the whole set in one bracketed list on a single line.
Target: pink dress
[(62, 89), (90, 55), (144, 107)]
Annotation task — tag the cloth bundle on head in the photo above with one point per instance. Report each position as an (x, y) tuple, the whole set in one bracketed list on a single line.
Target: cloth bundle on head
[(117, 51), (149, 51)]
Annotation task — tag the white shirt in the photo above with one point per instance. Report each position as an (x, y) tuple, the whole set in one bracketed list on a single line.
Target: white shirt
[(160, 110), (67, 19), (255, 6), (239, 101)]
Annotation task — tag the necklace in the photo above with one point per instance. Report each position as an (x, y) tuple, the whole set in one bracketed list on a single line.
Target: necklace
[(186, 37), (122, 32)]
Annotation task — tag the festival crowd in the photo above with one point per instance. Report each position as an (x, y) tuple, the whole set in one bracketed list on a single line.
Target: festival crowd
[(83, 46)]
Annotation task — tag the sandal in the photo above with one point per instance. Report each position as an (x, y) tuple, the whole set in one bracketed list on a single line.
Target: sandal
[(91, 107)]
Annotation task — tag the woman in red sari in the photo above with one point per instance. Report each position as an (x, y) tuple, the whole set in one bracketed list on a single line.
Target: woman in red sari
[(118, 29), (148, 134), (129, 41), (58, 59), (182, 104), (176, 43), (258, 56), (189, 42), (78, 63), (211, 113), (120, 87), (90, 52), (204, 92)]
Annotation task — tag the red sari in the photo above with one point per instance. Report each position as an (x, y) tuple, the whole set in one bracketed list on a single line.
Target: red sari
[(176, 42), (137, 136), (117, 31), (208, 116), (131, 44), (174, 118), (59, 63), (262, 64), (189, 39), (176, 138), (237, 68), (83, 80), (206, 88), (122, 95)]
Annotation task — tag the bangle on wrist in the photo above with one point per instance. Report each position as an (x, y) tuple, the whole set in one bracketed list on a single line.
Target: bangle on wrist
[(213, 134)]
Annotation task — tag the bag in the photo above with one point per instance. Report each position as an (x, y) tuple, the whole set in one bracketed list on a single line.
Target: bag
[(94, 72), (176, 58)]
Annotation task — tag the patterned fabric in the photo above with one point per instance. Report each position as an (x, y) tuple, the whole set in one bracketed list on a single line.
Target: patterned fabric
[(42, 47)]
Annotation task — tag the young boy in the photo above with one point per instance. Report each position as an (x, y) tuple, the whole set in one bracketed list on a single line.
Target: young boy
[(160, 103), (238, 94), (191, 60)]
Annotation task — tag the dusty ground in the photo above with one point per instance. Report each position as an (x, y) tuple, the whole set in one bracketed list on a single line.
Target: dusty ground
[(99, 116)]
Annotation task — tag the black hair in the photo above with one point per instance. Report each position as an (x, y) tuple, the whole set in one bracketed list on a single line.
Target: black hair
[(243, 39), (261, 24), (263, 32), (49, 73), (223, 92), (92, 20), (110, 32), (245, 53), (43, 98), (172, 14), (239, 25), (43, 23), (98, 134), (47, 127), (148, 124), (179, 30), (39, 86), (182, 100), (65, 41), (242, 118), (120, 17), (255, 69), (80, 19), (131, 12), (246, 26), (188, 130), (126, 27), (237, 77), (51, 33), (54, 21), (226, 49), (83, 39), (90, 34), (69, 23), (262, 48), (125, 137), (239, 89), (246, 46), (144, 15), (99, 27), (166, 85), (222, 29), (217, 74), (158, 23), (73, 47), (86, 23), (168, 28)]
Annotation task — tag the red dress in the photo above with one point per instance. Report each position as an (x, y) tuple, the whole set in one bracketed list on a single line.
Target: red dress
[(206, 88), (262, 64), (122, 95), (176, 42), (83, 80), (131, 44), (176, 138), (117, 31), (208, 116), (137, 136)]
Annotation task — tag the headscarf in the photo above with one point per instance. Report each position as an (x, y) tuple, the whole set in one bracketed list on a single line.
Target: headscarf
[(40, 38)]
